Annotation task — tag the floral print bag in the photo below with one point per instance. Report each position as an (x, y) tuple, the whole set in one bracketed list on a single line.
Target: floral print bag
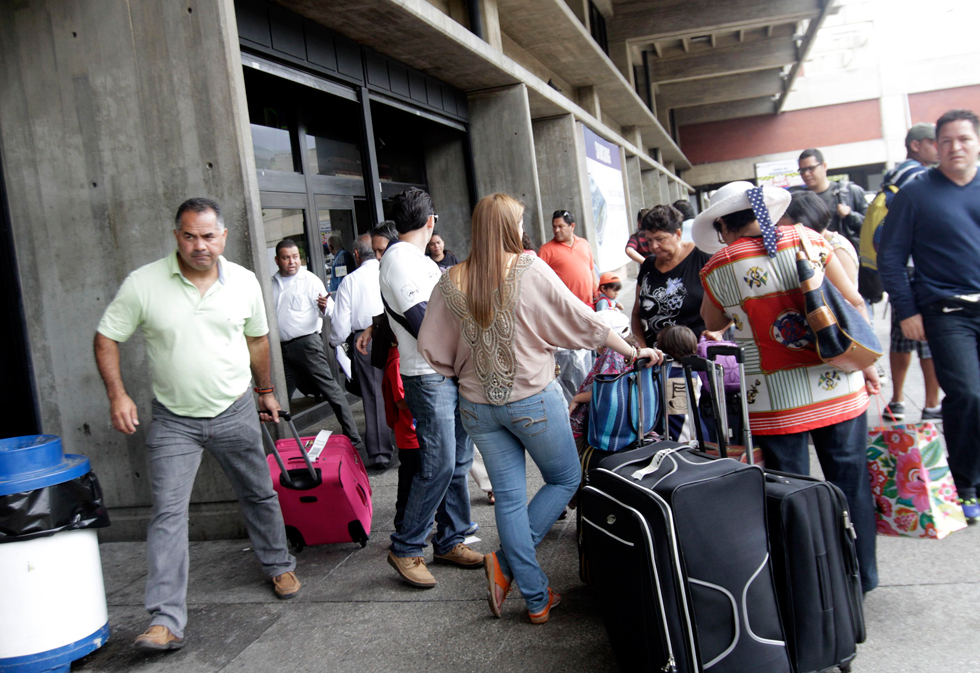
[(910, 479)]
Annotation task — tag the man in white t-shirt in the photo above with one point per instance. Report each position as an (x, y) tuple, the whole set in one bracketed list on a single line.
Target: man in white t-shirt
[(407, 279), (301, 302)]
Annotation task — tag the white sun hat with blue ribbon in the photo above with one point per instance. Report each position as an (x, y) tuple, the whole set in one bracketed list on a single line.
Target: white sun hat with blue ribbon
[(769, 204)]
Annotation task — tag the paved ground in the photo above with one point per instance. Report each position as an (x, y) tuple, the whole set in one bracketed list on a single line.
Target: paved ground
[(354, 615)]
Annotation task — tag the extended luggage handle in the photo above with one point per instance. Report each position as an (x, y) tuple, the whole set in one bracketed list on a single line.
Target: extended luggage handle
[(691, 364), (271, 444), (719, 385)]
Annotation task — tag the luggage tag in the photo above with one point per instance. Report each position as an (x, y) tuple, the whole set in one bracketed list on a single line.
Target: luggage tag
[(319, 443)]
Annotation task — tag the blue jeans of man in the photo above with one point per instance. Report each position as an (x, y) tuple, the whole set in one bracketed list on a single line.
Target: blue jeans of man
[(538, 425), (842, 451), (174, 447), (439, 487), (953, 331)]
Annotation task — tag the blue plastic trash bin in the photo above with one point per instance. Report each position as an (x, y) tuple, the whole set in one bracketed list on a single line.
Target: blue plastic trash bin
[(52, 597)]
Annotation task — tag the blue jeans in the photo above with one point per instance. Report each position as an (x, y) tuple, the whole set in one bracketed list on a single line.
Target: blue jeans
[(539, 425), (842, 451), (954, 338), (439, 487)]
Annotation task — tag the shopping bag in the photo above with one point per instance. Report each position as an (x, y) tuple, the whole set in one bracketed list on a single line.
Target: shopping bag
[(910, 479)]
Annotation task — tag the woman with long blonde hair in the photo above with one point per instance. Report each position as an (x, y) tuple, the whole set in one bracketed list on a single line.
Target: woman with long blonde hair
[(494, 322)]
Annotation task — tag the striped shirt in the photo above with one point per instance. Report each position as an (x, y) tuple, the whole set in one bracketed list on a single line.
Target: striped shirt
[(789, 389)]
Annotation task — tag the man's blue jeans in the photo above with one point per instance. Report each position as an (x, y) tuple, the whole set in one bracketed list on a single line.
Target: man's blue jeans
[(842, 449), (953, 331), (539, 425), (439, 487)]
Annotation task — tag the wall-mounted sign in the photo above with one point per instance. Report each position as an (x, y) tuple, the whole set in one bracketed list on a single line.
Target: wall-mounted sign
[(785, 173), (608, 201)]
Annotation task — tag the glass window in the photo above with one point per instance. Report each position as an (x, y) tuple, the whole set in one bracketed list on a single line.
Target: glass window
[(283, 223), (398, 137), (333, 141), (271, 119)]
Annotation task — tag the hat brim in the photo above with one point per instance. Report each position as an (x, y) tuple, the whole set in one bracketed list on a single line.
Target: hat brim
[(703, 232)]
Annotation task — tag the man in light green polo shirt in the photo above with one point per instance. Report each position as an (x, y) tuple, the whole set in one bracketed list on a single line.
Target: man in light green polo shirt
[(206, 338)]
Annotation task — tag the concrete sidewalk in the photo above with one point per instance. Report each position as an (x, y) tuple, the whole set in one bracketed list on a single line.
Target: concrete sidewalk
[(355, 615)]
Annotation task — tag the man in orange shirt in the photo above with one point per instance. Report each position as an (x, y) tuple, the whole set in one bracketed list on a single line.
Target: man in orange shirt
[(571, 258)]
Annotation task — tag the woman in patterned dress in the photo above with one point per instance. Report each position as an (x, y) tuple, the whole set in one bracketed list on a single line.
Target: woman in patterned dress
[(752, 283), (495, 321)]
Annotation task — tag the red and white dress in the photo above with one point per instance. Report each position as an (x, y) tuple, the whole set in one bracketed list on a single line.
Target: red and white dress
[(789, 388)]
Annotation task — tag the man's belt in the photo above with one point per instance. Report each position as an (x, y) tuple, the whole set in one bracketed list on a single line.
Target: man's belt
[(289, 341)]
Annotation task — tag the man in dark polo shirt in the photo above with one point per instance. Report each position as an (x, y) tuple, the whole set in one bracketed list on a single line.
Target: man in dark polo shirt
[(936, 219)]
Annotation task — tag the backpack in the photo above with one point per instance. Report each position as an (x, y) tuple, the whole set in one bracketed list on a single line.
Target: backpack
[(871, 229)]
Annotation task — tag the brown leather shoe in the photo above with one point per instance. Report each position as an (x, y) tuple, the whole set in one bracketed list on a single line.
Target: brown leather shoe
[(286, 585), (158, 639), (412, 570), (461, 556)]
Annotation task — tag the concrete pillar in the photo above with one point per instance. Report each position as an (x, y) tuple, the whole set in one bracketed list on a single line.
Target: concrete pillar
[(588, 100), (664, 188), (619, 52), (651, 188), (111, 115), (445, 167), (491, 23), (637, 198), (503, 144), (563, 181)]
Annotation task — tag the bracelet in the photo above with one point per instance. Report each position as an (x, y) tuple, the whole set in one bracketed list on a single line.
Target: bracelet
[(633, 354), (265, 391)]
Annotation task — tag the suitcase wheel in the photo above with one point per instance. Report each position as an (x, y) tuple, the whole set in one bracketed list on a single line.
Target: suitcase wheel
[(845, 668), (295, 538), (357, 533)]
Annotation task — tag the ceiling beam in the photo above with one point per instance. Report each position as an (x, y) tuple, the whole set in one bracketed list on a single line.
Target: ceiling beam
[(808, 40), (720, 89), (744, 57), (752, 107), (648, 20)]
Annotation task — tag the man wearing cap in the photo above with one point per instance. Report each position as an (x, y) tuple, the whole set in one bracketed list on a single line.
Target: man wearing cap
[(204, 322), (844, 199), (570, 257), (920, 144), (936, 219)]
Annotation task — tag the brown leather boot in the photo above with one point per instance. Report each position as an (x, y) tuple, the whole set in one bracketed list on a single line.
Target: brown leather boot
[(286, 585), (158, 638), (461, 556)]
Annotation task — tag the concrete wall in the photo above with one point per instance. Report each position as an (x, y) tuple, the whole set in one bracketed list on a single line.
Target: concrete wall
[(562, 180), (445, 168), (503, 151), (112, 114), (634, 181)]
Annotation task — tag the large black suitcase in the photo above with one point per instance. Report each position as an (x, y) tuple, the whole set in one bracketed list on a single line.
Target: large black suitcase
[(677, 546), (814, 557)]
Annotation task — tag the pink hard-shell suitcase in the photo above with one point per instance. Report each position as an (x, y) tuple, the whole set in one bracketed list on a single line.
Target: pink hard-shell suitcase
[(326, 499)]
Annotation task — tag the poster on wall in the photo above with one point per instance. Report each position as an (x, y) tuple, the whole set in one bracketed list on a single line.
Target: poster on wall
[(785, 173), (608, 201)]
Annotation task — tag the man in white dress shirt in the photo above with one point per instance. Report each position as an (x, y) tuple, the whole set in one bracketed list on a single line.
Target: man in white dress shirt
[(301, 302), (358, 300)]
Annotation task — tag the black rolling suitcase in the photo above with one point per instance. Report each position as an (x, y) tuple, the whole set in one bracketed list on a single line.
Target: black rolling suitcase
[(676, 544), (814, 560)]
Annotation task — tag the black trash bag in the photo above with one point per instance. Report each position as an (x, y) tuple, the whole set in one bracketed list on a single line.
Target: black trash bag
[(72, 505)]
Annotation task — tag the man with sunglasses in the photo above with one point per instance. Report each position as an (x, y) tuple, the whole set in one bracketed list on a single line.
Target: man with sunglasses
[(844, 199)]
